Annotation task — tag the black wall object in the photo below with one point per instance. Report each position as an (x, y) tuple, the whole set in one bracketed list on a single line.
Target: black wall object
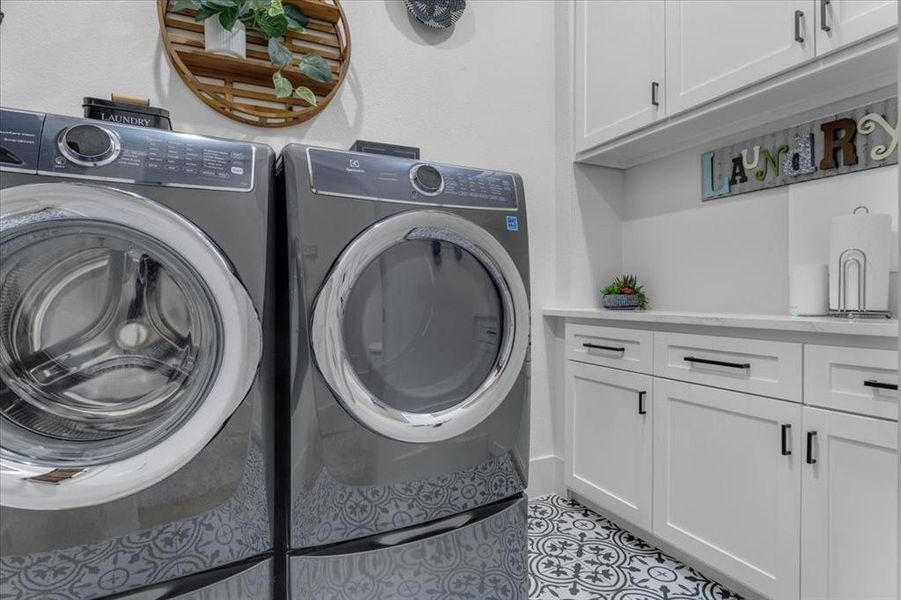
[(388, 149), (438, 14), (126, 113)]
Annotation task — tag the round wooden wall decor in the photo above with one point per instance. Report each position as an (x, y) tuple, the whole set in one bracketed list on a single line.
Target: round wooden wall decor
[(242, 89)]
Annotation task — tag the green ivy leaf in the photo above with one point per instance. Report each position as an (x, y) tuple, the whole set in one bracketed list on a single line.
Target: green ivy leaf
[(278, 54), (315, 67), (228, 18), (245, 9), (185, 4), (296, 19), (276, 8), (305, 93), (204, 13), (281, 84), (270, 27), (222, 3)]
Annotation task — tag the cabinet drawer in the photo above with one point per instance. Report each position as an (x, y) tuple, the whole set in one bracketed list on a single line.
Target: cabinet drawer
[(754, 366), (628, 349), (852, 379)]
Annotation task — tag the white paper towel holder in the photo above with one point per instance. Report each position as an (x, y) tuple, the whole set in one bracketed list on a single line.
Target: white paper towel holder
[(848, 259)]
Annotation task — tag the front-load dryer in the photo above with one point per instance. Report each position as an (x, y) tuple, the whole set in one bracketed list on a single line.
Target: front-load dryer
[(137, 375), (408, 374)]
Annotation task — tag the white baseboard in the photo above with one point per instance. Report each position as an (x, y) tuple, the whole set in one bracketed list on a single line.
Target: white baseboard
[(545, 476)]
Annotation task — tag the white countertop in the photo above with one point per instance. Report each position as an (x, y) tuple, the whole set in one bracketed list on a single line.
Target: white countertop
[(868, 327)]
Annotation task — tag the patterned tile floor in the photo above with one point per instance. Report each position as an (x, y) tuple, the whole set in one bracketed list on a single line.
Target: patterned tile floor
[(575, 554)]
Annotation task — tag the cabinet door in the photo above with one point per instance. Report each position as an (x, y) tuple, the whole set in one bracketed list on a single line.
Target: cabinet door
[(850, 514), (727, 483), (713, 48), (843, 22), (619, 56), (608, 442)]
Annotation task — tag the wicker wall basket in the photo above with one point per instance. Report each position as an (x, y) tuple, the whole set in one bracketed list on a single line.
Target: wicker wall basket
[(242, 89)]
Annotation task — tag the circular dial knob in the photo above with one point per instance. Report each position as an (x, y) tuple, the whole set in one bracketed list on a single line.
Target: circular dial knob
[(427, 180), (89, 145)]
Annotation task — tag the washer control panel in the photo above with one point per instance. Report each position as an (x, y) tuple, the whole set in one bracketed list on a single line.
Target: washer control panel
[(380, 177), (83, 148), (20, 140)]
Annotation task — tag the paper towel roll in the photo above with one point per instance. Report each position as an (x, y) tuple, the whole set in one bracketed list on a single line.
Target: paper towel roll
[(808, 291), (872, 236)]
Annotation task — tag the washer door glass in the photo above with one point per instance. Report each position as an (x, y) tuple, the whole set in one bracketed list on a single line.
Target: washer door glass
[(118, 329), (421, 328), (108, 341)]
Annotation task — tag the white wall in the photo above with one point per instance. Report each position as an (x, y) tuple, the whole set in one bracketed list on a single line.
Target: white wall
[(734, 255), (588, 241), (482, 95)]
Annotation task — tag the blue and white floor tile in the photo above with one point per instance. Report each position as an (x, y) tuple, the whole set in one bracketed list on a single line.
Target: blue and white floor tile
[(575, 554)]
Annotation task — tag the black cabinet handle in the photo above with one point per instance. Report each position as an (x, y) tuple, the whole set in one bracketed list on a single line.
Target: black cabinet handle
[(608, 348), (811, 436), (786, 447), (881, 386), (718, 363), (799, 15), (824, 16), (655, 89), (641, 408)]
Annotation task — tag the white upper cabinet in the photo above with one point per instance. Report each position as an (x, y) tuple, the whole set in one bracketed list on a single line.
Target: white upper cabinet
[(713, 48), (619, 56), (842, 22), (653, 75)]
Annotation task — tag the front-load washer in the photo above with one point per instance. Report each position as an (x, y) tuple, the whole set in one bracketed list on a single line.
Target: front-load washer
[(408, 372), (136, 400)]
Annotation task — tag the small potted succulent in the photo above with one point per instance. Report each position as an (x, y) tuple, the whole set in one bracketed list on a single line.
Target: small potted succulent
[(624, 294), (225, 23)]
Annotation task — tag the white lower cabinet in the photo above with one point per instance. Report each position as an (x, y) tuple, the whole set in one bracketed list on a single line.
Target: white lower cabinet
[(794, 501), (850, 518), (608, 439), (727, 484)]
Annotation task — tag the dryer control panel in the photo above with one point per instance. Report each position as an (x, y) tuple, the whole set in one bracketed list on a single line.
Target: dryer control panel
[(89, 149), (396, 179)]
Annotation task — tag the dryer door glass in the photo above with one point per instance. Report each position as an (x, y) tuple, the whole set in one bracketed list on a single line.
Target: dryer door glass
[(125, 343), (422, 327)]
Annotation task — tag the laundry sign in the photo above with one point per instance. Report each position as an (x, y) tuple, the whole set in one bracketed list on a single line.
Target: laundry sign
[(851, 141)]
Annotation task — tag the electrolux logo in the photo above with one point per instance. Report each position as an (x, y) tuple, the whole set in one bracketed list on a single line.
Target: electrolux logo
[(354, 166)]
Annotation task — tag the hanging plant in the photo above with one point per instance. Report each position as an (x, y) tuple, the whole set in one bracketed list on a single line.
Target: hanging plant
[(271, 19)]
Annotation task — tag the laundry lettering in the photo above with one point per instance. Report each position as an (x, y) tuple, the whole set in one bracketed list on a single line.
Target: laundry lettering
[(861, 139)]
